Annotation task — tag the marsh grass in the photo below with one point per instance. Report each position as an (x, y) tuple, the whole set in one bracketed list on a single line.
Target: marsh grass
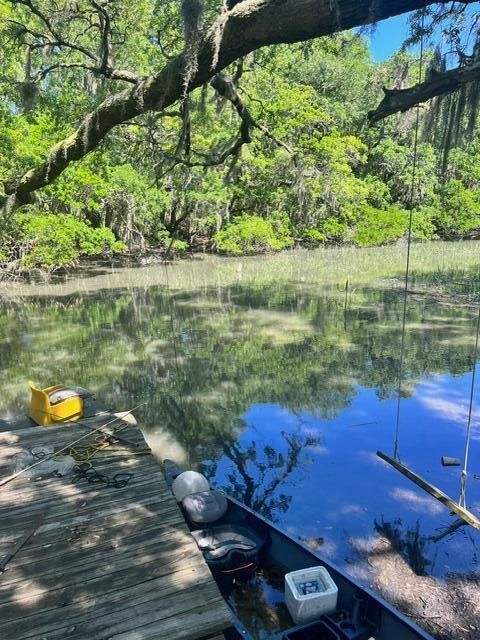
[(449, 267)]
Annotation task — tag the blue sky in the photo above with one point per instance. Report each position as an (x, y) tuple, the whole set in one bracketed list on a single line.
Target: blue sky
[(390, 34), (388, 37)]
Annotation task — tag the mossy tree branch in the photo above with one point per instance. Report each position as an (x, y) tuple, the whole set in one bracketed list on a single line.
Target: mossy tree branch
[(250, 25), (439, 84)]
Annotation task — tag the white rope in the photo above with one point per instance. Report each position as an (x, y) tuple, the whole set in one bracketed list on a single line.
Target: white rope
[(463, 487), (396, 454)]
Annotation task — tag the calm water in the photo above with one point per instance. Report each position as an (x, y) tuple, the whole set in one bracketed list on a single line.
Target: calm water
[(281, 385)]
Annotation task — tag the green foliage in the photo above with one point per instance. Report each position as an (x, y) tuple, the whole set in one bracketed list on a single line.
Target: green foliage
[(378, 192), (464, 164), (48, 240), (391, 161), (460, 210), (334, 229), (310, 235), (252, 234), (339, 69), (179, 245), (423, 223), (377, 226), (164, 240)]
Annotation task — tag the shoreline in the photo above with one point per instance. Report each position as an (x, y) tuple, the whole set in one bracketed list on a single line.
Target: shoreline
[(151, 256)]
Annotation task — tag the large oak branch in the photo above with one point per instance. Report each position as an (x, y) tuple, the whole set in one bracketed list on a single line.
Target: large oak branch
[(439, 84), (250, 25)]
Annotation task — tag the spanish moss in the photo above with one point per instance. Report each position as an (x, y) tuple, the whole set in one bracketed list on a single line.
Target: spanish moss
[(192, 12)]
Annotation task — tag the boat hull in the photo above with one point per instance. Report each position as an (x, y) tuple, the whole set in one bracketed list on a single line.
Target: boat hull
[(361, 614), (386, 622)]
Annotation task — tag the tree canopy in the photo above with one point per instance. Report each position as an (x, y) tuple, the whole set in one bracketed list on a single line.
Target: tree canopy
[(241, 126)]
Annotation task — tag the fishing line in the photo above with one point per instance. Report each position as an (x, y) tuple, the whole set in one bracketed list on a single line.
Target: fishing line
[(170, 313)]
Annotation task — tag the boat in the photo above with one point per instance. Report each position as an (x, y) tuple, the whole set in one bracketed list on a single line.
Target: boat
[(249, 557)]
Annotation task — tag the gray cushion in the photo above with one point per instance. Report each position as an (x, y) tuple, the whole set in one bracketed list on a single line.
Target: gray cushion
[(68, 392), (206, 506)]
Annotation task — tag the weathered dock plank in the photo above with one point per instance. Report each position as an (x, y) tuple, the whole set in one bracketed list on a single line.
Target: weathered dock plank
[(106, 562)]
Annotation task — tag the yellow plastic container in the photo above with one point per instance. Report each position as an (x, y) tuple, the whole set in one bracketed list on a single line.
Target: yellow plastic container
[(43, 412)]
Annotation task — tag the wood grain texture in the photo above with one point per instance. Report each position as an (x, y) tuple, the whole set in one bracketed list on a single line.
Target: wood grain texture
[(106, 562)]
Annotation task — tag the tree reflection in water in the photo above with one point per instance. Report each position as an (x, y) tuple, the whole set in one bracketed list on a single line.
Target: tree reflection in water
[(260, 474), (201, 357), (398, 559), (410, 544)]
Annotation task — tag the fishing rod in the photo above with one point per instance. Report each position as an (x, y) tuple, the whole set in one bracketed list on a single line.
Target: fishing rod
[(22, 541), (70, 445)]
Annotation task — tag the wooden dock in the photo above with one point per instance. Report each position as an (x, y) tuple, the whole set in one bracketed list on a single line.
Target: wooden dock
[(105, 562)]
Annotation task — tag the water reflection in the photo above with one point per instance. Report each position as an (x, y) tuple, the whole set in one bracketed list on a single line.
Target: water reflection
[(278, 388), (260, 472), (411, 545)]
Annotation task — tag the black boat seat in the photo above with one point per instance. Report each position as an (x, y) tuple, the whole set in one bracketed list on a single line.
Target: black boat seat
[(205, 507), (230, 550)]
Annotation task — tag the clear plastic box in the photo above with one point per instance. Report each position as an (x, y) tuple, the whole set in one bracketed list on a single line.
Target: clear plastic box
[(310, 593)]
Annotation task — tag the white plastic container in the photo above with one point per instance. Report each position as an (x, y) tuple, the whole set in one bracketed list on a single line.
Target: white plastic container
[(189, 482), (310, 593)]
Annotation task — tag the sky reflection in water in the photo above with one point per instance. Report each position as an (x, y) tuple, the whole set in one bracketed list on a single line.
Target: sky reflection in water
[(342, 488)]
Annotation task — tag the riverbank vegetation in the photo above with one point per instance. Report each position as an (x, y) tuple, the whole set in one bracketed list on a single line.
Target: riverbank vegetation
[(274, 153)]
